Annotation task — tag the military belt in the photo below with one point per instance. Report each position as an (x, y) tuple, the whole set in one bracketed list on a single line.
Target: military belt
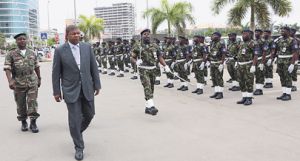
[(230, 58), (110, 56), (259, 58), (268, 56), (148, 67), (119, 55), (24, 73), (181, 60), (215, 62), (168, 59), (197, 60), (285, 56), (245, 63)]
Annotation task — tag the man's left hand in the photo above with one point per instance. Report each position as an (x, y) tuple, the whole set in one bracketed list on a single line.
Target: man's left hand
[(97, 92), (39, 82)]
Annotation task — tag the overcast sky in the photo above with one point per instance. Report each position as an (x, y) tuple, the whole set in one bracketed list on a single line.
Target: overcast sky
[(59, 10)]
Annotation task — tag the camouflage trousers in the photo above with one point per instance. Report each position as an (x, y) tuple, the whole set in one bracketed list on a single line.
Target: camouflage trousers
[(294, 73), (112, 63), (148, 79), (26, 100), (285, 76), (232, 70), (169, 75), (199, 74), (104, 62), (268, 70), (120, 63), (246, 79), (157, 70), (182, 73), (259, 74), (127, 60), (216, 75), (98, 59)]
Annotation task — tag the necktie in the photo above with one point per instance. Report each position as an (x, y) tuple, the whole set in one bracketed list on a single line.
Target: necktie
[(76, 54)]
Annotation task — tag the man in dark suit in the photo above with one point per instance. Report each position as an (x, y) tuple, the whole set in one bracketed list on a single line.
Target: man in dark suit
[(75, 72)]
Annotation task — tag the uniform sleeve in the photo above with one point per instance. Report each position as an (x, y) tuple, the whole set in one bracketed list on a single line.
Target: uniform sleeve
[(295, 46), (257, 49), (223, 48), (36, 61), (135, 52), (8, 62)]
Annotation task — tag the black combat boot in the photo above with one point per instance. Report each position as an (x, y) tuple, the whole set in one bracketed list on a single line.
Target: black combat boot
[(287, 97), (235, 88), (200, 91), (268, 85), (219, 95), (167, 85), (120, 75), (242, 101), (126, 70), (151, 111), (229, 81), (280, 97), (171, 85), (157, 82), (134, 77), (111, 74), (248, 101), (33, 127), (258, 92), (214, 95), (294, 88), (180, 88), (185, 88), (105, 72), (195, 91), (24, 126)]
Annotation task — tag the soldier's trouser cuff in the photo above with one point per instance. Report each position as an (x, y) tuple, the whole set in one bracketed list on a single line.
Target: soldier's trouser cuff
[(22, 118), (33, 115)]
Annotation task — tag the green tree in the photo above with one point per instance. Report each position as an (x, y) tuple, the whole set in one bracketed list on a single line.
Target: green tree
[(51, 42), (259, 10), (176, 15), (91, 27)]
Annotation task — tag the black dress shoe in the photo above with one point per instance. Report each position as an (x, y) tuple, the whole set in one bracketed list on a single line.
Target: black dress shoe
[(126, 70), (242, 101), (24, 126), (248, 101), (151, 111), (294, 88), (134, 77), (287, 97), (200, 91), (79, 154), (195, 91), (167, 85), (120, 75), (235, 88), (171, 85), (33, 127), (180, 88), (157, 82), (105, 72), (214, 95), (280, 97), (185, 88), (258, 92), (219, 96), (268, 85)]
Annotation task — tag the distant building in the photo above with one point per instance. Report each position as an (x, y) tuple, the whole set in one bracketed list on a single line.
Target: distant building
[(119, 20), (71, 22), (18, 16)]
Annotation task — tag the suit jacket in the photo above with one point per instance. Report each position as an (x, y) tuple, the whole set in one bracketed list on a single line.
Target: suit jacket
[(66, 75)]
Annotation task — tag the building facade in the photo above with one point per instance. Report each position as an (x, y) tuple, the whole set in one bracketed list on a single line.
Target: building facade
[(119, 20), (18, 16)]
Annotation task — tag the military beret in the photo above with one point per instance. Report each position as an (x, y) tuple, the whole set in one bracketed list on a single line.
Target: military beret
[(285, 28), (217, 33), (258, 30), (247, 30), (145, 30), (181, 37), (232, 34), (199, 36), (166, 37), (268, 31), (20, 34)]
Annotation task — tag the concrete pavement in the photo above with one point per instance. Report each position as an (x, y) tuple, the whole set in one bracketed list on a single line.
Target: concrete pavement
[(188, 127)]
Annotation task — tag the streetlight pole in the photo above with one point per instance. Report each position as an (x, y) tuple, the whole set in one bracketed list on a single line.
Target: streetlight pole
[(75, 17), (48, 15)]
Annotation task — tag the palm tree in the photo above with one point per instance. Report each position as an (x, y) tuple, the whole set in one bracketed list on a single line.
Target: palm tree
[(90, 26), (259, 10), (175, 14)]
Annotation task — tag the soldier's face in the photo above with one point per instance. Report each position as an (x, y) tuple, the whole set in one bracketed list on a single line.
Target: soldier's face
[(21, 41), (246, 36), (267, 35), (257, 34), (232, 38), (146, 37), (74, 36), (284, 32)]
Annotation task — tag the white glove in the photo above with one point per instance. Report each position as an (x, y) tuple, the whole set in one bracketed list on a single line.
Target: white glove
[(113, 59), (269, 62), (167, 69), (252, 69), (173, 65), (207, 64), (235, 65), (221, 67), (202, 66), (185, 66), (139, 62), (291, 68), (261, 66)]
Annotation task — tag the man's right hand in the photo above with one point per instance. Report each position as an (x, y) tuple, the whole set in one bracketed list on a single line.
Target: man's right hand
[(57, 98), (12, 84)]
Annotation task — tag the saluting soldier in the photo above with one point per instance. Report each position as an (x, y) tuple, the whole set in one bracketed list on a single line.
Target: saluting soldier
[(145, 55), (23, 74)]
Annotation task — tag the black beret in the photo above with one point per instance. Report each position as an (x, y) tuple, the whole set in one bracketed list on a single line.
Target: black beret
[(258, 30), (268, 31), (20, 34), (247, 30), (232, 34), (145, 30), (181, 37), (199, 36), (217, 33)]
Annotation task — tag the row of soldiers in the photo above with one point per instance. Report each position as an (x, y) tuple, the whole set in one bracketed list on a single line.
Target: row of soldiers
[(247, 60)]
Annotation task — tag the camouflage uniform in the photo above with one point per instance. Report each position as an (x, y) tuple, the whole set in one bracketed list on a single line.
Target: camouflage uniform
[(181, 61), (127, 49), (233, 48), (133, 45), (285, 47), (26, 82), (260, 69), (268, 47), (103, 57), (198, 54), (169, 57), (294, 73), (119, 53), (148, 54), (111, 59), (217, 51), (96, 50), (157, 71)]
